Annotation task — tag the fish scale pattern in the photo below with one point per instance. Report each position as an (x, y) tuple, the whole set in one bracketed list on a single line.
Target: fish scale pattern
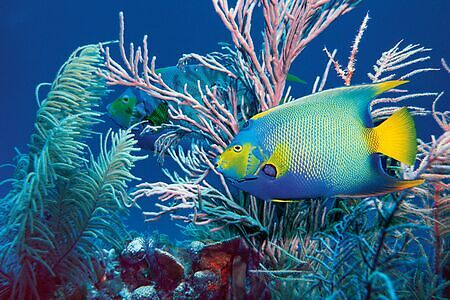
[(322, 145)]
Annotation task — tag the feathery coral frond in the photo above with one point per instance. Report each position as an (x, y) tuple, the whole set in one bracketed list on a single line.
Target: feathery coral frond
[(64, 119), (58, 204), (347, 74), (93, 204)]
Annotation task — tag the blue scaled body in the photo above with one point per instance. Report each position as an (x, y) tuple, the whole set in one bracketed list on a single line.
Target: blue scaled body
[(320, 145)]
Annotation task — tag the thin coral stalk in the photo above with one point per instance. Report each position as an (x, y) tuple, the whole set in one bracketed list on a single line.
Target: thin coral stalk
[(437, 234), (319, 87), (211, 119), (347, 74), (289, 27), (444, 64)]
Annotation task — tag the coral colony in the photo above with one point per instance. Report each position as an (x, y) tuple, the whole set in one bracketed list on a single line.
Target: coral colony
[(62, 234)]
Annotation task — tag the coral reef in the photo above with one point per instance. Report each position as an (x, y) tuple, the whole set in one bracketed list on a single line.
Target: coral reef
[(64, 202), (65, 206), (194, 270), (340, 248)]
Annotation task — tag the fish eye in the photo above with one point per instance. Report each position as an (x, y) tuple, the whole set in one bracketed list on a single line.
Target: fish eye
[(237, 148), (125, 100)]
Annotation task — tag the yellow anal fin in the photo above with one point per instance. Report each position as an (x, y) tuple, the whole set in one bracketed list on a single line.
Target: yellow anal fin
[(395, 137), (397, 186)]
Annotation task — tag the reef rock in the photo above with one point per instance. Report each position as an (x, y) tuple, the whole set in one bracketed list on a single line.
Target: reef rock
[(230, 261), (206, 284), (194, 249), (147, 292), (184, 292), (168, 272), (135, 251)]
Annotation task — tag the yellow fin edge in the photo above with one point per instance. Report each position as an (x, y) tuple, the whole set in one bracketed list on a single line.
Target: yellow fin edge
[(284, 201), (388, 85), (399, 185)]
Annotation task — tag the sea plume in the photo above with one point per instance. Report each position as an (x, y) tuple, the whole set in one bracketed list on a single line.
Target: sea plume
[(63, 203)]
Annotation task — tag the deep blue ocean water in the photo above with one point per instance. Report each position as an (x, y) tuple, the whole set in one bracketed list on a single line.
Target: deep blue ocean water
[(38, 36)]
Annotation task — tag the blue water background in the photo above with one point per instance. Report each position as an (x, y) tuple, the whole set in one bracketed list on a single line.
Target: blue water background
[(38, 36)]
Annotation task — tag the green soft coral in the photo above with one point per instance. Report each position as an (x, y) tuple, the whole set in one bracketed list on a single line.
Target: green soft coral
[(62, 203)]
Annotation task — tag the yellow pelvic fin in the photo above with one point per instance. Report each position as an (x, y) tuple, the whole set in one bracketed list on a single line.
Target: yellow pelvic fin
[(395, 137), (406, 184), (284, 201), (388, 85)]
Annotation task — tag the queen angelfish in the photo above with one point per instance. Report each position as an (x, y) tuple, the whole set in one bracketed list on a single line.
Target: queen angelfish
[(321, 145)]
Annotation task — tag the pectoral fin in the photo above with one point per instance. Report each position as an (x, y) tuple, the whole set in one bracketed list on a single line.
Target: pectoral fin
[(293, 78)]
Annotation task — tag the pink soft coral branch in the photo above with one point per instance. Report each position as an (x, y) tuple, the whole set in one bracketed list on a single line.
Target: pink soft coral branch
[(288, 29), (211, 118), (434, 156)]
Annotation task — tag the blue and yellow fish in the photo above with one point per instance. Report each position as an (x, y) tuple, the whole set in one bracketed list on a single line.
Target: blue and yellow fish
[(321, 145), (134, 106)]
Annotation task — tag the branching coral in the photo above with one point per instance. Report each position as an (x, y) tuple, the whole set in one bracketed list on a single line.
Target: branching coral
[(59, 205), (289, 27), (392, 61), (321, 247)]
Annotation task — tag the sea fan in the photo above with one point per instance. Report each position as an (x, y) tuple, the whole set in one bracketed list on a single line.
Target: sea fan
[(59, 205)]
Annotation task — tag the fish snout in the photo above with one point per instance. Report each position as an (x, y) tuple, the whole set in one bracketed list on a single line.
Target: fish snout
[(218, 164)]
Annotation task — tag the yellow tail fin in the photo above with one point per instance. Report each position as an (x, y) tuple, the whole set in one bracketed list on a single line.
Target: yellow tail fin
[(396, 137)]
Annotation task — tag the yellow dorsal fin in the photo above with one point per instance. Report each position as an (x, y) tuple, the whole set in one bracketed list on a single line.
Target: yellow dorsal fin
[(388, 85), (395, 137)]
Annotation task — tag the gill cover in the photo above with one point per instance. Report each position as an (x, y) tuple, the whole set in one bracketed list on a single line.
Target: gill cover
[(121, 109), (239, 161)]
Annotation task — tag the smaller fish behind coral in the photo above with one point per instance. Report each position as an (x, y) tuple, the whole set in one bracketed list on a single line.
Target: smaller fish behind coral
[(321, 145), (134, 106)]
